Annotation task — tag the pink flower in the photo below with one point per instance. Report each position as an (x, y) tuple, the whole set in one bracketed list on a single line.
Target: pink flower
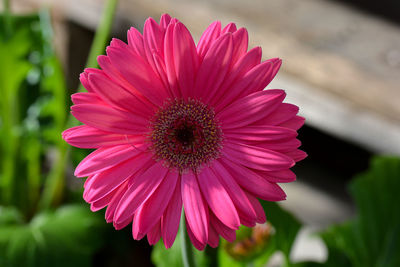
[(178, 125)]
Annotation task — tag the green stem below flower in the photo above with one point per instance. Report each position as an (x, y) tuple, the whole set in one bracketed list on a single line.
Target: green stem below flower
[(187, 249)]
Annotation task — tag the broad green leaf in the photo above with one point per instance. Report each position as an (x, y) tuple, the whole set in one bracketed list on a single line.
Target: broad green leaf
[(372, 238), (67, 237)]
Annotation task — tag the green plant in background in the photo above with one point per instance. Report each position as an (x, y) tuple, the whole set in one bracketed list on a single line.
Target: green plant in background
[(372, 238), (34, 229)]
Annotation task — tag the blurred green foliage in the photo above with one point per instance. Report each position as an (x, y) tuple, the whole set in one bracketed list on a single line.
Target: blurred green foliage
[(33, 110), (66, 237), (372, 238), (33, 156)]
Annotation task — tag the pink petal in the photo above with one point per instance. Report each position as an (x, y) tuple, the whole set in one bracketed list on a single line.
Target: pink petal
[(226, 232), (150, 212), (218, 199), (115, 201), (114, 94), (87, 98), (240, 44), (254, 183), (123, 224), (101, 203), (282, 146), (218, 59), (84, 136), (109, 119), (296, 155), (186, 61), (172, 216), (105, 158), (213, 237), (282, 114), (170, 60), (294, 123), (208, 37), (196, 243), (110, 179), (142, 187), (155, 234), (231, 27), (135, 40), (258, 208), (165, 20), (257, 106), (235, 192), (153, 36), (256, 157), (240, 68), (139, 74), (282, 176), (260, 133), (196, 210)]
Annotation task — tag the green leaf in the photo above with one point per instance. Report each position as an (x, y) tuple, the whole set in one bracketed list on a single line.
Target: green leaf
[(372, 238), (67, 237)]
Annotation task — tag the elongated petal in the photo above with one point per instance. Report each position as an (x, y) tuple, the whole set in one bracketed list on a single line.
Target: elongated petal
[(196, 243), (196, 210), (155, 234), (283, 113), (186, 61), (235, 192), (110, 179), (135, 40), (172, 216), (256, 157), (154, 207), (115, 201), (218, 199), (254, 183), (139, 74), (208, 37), (142, 187), (114, 95), (236, 73), (165, 19), (153, 37), (257, 106), (87, 98), (226, 232), (105, 158), (230, 27), (240, 44), (263, 133), (218, 58), (84, 136), (109, 119)]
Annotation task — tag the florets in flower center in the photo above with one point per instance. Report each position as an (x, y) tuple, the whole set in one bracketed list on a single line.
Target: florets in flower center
[(185, 135)]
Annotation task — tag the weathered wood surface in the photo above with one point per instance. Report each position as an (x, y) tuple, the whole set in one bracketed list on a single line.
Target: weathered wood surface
[(341, 66)]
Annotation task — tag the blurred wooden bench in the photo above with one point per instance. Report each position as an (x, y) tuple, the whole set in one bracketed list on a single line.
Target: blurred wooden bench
[(342, 67)]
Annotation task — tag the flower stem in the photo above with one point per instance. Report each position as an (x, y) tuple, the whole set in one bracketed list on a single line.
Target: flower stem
[(187, 250)]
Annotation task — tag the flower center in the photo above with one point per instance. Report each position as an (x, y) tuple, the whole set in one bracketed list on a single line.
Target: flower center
[(185, 134)]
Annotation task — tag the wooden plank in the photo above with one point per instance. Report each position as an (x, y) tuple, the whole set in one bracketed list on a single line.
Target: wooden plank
[(333, 56)]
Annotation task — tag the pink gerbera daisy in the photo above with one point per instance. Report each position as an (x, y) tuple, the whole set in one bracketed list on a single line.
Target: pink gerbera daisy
[(178, 125)]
